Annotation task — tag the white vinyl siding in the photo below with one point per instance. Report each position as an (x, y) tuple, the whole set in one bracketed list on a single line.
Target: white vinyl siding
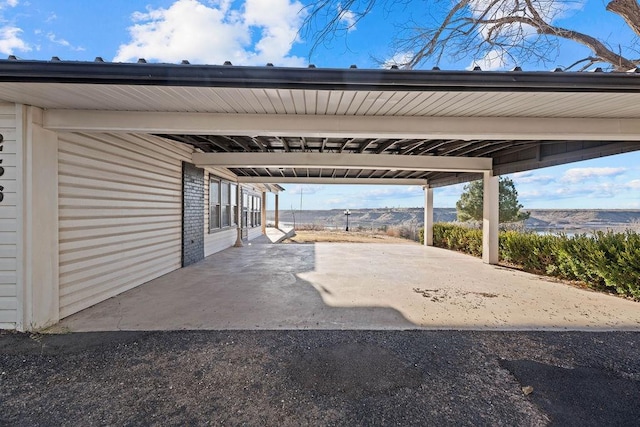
[(219, 241), (120, 213), (255, 232), (8, 218)]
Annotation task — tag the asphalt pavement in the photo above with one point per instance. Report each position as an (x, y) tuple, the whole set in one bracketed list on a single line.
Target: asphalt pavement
[(320, 377)]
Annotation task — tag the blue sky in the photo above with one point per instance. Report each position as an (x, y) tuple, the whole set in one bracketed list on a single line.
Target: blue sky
[(254, 32)]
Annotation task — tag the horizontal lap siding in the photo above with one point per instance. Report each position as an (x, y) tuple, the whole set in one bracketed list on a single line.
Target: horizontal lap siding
[(220, 240), (8, 219), (254, 233), (120, 210)]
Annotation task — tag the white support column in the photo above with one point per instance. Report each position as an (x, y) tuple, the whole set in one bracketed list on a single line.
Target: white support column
[(39, 238), (238, 243), (263, 212), (277, 212), (491, 213), (428, 216)]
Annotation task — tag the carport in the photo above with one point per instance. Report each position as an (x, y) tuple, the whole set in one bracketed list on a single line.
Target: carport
[(381, 286), (258, 126)]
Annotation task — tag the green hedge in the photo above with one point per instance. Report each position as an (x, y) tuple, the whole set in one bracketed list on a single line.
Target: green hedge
[(602, 260)]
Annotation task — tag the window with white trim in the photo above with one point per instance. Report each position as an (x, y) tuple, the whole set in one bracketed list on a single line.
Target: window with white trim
[(251, 209), (214, 205), (222, 204), (234, 205)]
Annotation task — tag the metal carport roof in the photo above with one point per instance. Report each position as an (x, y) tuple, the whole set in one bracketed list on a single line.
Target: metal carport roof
[(342, 125)]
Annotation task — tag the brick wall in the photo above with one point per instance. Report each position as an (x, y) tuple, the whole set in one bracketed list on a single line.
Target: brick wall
[(192, 214)]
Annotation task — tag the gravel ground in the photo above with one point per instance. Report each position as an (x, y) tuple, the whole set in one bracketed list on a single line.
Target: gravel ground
[(294, 378)]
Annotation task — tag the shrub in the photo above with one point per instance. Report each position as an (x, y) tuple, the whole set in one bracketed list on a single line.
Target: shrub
[(618, 261), (533, 252), (603, 260), (458, 238)]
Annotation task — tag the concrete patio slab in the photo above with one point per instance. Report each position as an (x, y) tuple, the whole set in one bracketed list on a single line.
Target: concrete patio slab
[(353, 286)]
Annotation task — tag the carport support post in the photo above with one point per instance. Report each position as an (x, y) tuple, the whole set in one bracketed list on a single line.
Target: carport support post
[(428, 216), (277, 219), (491, 216), (37, 270), (238, 243), (263, 212)]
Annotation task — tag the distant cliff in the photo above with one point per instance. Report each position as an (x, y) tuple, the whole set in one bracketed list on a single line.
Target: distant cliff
[(569, 220)]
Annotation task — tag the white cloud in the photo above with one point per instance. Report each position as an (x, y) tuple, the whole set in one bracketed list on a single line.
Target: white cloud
[(634, 185), (400, 59), (531, 194), (577, 175), (492, 60), (62, 42), (258, 32), (279, 21), (10, 35), (304, 188), (393, 192), (10, 40), (531, 178), (347, 17), (602, 190), (451, 190), (338, 202)]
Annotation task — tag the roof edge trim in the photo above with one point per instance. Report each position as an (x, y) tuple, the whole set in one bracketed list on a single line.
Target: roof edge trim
[(156, 74)]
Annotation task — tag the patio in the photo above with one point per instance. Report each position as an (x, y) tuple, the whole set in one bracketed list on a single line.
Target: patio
[(353, 286)]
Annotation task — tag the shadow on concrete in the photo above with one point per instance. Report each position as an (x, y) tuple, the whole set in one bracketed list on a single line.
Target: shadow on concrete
[(353, 286), (258, 286)]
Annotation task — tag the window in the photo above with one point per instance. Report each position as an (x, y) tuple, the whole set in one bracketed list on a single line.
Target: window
[(234, 204), (226, 204), (223, 206), (257, 205), (214, 205), (251, 210), (245, 209)]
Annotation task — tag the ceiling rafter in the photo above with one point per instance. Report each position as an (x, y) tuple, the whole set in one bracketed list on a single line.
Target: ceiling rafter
[(432, 146), (455, 147), (256, 140), (236, 141), (284, 143), (212, 141), (382, 147), (411, 146), (344, 145), (363, 147), (324, 143)]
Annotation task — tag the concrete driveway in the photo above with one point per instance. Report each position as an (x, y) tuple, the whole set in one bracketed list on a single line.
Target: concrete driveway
[(353, 286)]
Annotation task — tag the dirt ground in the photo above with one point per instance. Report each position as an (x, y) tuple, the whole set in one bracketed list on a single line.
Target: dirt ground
[(339, 236), (294, 378)]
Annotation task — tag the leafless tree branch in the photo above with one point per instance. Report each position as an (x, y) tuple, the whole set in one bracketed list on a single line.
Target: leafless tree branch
[(516, 30)]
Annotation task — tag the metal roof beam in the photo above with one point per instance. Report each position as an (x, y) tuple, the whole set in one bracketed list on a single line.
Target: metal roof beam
[(326, 180), (406, 127), (342, 161)]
